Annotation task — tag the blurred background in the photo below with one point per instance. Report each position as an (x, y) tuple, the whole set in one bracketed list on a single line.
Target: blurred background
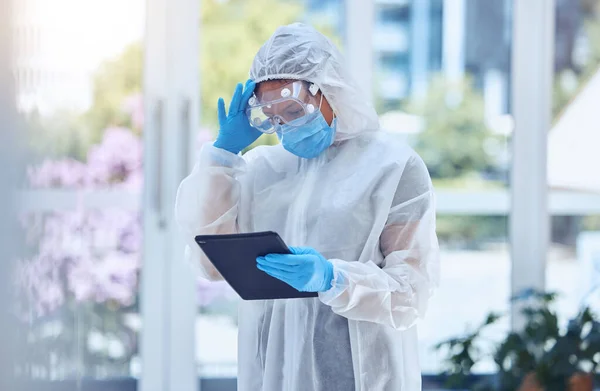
[(114, 98)]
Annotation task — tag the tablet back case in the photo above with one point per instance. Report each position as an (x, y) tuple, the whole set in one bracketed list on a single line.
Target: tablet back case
[(235, 255)]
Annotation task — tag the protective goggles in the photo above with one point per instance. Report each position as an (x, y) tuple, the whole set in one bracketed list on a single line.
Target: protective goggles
[(293, 104)]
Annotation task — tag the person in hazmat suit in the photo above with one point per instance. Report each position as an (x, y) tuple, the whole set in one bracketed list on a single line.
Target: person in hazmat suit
[(356, 203)]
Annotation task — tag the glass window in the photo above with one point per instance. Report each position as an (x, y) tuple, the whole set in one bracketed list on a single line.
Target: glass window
[(79, 304), (453, 109), (80, 271), (574, 254), (573, 269)]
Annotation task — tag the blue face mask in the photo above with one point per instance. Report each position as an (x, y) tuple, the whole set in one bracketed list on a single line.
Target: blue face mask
[(310, 140)]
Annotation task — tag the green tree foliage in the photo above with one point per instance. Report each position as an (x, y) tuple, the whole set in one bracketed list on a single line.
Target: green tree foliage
[(231, 32), (114, 81), (64, 133), (592, 29), (471, 232), (591, 9), (455, 143), (455, 135)]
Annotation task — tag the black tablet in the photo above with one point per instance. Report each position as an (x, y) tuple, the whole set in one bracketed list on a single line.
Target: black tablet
[(235, 255)]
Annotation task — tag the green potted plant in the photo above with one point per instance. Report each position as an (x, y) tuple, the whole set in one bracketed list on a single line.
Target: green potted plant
[(542, 356)]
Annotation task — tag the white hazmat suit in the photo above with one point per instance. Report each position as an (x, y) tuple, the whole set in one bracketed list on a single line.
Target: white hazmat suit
[(366, 204)]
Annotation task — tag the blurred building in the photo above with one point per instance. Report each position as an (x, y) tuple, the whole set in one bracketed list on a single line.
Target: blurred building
[(414, 39), (408, 47), (569, 22), (329, 12)]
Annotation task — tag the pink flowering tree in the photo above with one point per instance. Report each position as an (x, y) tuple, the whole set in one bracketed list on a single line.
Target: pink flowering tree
[(79, 280)]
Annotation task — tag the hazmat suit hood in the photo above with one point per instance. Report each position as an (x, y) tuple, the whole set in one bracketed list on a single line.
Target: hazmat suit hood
[(300, 52)]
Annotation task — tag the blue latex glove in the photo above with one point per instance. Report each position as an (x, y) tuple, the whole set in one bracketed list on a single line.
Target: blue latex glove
[(305, 269), (235, 132)]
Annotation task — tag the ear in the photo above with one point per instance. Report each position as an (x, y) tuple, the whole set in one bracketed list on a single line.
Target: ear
[(326, 110)]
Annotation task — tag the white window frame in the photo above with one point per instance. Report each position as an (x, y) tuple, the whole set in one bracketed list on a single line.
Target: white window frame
[(171, 99), (532, 73)]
